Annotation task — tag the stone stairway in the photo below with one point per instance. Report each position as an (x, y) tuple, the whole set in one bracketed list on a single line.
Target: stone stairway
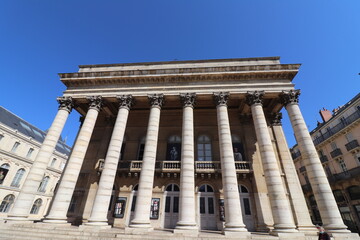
[(40, 231)]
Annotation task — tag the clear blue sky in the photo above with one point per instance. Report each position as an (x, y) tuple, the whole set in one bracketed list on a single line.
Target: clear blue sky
[(40, 38)]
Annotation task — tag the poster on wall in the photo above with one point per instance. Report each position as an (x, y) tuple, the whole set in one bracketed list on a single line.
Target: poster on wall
[(119, 209), (154, 210), (221, 210)]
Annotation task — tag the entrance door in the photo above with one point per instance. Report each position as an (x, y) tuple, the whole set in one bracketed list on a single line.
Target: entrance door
[(207, 208), (246, 208), (171, 206)]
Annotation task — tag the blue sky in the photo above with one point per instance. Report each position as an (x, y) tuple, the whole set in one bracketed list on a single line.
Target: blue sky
[(39, 39)]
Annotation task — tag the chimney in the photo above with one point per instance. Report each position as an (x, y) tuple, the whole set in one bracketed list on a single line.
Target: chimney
[(325, 114)]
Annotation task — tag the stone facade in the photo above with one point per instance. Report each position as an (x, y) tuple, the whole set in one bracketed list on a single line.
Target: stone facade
[(188, 146), (337, 143), (20, 142)]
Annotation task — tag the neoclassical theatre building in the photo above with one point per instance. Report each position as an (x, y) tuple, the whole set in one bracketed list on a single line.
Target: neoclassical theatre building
[(184, 145)]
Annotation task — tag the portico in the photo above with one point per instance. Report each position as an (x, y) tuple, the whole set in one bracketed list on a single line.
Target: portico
[(190, 146)]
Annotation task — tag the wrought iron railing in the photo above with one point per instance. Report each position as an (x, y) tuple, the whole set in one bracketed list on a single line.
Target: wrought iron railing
[(324, 158), (337, 152), (351, 145)]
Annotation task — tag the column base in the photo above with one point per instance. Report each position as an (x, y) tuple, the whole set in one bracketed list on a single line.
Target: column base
[(345, 236), (97, 222), (230, 227), (283, 228), (238, 234), (186, 229), (332, 228)]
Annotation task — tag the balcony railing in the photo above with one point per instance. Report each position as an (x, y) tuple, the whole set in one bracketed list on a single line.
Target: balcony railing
[(351, 145), (324, 158), (337, 152), (175, 166), (347, 121), (352, 173)]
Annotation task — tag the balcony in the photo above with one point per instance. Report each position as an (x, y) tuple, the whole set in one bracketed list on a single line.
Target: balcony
[(337, 152), (324, 158), (351, 145), (347, 121), (352, 173), (175, 166)]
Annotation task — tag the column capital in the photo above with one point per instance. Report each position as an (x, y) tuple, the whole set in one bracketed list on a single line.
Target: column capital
[(291, 96), (126, 101), (188, 99), (156, 100), (254, 97), (221, 98), (95, 102), (275, 119), (65, 103)]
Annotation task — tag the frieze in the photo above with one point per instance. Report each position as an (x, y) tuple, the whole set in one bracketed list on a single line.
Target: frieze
[(95, 102), (188, 99), (156, 100), (254, 97), (291, 96), (126, 101), (65, 103), (221, 98)]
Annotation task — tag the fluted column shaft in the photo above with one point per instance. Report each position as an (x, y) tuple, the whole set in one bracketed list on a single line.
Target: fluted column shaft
[(301, 213), (187, 214), (25, 199), (283, 219), (233, 213), (324, 197), (67, 184), (146, 181), (103, 195)]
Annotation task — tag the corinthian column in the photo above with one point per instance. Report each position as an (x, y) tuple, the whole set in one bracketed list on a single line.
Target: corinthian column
[(297, 199), (103, 195), (283, 220), (67, 184), (233, 217), (187, 214), (146, 181), (324, 197), (25, 199)]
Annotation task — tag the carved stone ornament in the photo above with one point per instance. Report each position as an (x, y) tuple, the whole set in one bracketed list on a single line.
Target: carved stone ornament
[(156, 100), (126, 101), (188, 99), (254, 97), (291, 96), (276, 119), (95, 102), (65, 103), (221, 98)]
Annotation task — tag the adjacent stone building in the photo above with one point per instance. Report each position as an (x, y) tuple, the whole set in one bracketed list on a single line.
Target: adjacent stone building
[(185, 145), (337, 143), (20, 142)]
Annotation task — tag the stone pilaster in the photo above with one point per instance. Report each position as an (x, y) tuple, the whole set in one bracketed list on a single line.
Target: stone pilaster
[(25, 199), (233, 216), (99, 211), (297, 199), (324, 197), (187, 214), (146, 181), (283, 219), (67, 184)]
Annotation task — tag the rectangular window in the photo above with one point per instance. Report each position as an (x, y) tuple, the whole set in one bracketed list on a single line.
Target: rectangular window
[(211, 205), (176, 205), (16, 145), (141, 151), (133, 204), (333, 146), (53, 162), (202, 205), (247, 210), (349, 137), (342, 165), (28, 155), (167, 204)]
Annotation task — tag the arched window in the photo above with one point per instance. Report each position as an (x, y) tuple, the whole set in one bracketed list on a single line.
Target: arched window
[(243, 189), (141, 149), (204, 148), (245, 199), (36, 206), (18, 176), (238, 148), (173, 148), (172, 188), (4, 169), (339, 197), (206, 188), (6, 203), (354, 192), (43, 184)]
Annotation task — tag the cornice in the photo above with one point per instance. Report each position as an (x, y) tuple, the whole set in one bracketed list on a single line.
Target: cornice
[(235, 73)]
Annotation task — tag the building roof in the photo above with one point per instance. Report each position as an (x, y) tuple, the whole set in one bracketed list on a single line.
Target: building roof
[(14, 122)]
